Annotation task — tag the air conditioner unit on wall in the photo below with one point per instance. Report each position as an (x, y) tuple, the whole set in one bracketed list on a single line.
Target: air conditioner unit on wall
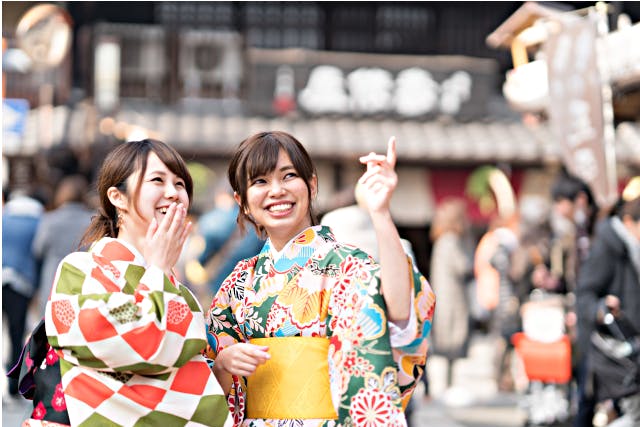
[(210, 63)]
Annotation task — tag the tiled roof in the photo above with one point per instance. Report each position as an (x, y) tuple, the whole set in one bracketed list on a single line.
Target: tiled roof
[(211, 134)]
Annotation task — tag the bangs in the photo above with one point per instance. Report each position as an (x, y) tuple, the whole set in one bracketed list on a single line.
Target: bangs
[(174, 163), (263, 158)]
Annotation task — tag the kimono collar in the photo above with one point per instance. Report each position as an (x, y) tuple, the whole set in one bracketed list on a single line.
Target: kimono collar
[(299, 249), (117, 250)]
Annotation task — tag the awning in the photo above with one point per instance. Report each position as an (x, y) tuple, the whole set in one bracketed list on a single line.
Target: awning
[(423, 142)]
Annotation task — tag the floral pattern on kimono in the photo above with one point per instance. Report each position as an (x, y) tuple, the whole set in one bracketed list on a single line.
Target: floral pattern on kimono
[(321, 288)]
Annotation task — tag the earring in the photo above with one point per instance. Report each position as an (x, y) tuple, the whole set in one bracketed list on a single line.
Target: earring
[(120, 220)]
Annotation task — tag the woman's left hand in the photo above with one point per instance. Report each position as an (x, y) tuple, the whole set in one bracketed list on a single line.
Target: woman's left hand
[(377, 184)]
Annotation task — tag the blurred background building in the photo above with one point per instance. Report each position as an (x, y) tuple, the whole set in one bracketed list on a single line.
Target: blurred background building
[(341, 76)]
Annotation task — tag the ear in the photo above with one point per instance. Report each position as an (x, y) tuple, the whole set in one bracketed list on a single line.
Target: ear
[(117, 198), (236, 197)]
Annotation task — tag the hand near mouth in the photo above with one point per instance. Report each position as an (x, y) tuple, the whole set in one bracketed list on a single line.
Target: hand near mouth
[(164, 241)]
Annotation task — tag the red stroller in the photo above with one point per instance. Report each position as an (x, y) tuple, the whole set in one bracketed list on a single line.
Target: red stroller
[(545, 351)]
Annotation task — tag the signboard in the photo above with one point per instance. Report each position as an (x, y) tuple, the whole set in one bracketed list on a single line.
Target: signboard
[(576, 106), (14, 119)]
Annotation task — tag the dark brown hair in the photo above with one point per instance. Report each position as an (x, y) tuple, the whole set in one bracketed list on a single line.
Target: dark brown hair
[(631, 208), (72, 188), (258, 155), (125, 160)]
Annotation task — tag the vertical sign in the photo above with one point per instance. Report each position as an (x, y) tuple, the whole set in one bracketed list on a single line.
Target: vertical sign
[(576, 106), (106, 78)]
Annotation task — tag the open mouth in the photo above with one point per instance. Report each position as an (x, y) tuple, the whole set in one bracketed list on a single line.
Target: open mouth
[(281, 207), (163, 210)]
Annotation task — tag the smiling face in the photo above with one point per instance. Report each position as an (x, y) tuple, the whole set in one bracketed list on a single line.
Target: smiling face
[(159, 187), (260, 155), (278, 201)]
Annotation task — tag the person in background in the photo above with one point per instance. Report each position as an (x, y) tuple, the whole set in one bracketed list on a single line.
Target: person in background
[(608, 281), (352, 224), (572, 220), (572, 215), (222, 238), (60, 230), (20, 217), (345, 335), (451, 269), (129, 336)]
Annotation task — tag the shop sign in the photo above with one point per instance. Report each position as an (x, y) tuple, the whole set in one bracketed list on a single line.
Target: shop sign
[(576, 106)]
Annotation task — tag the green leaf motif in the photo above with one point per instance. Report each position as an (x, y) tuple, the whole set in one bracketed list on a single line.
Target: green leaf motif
[(70, 280), (157, 298), (92, 297), (211, 411), (157, 418), (132, 276), (86, 357), (190, 299), (147, 369), (190, 348), (97, 420)]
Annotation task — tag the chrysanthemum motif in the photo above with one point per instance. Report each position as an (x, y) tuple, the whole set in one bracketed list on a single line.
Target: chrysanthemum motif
[(371, 408)]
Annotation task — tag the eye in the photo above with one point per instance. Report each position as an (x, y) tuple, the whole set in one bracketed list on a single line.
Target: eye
[(180, 183), (156, 179), (290, 175), (258, 181)]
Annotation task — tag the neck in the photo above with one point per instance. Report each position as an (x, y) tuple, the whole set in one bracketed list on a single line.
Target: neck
[(135, 241), (280, 241)]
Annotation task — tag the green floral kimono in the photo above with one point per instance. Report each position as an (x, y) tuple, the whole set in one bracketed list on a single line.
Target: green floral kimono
[(321, 288)]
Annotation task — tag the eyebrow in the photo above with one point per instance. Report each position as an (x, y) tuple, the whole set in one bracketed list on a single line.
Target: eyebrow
[(282, 169), (287, 167), (162, 173), (158, 172)]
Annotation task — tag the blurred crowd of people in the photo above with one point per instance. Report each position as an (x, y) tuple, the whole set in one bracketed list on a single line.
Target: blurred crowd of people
[(561, 250), (556, 286)]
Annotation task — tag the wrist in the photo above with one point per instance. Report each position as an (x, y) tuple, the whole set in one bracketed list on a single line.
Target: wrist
[(218, 364), (217, 368)]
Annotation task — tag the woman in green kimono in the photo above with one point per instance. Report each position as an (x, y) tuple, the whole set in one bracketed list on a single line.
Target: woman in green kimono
[(313, 332)]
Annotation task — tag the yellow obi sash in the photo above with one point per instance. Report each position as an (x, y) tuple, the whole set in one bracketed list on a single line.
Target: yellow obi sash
[(293, 383)]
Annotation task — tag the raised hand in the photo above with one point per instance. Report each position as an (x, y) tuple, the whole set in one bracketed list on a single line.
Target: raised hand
[(376, 185), (164, 241)]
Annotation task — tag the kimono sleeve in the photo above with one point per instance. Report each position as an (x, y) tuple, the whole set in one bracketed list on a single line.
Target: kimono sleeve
[(368, 373), (117, 316), (224, 329)]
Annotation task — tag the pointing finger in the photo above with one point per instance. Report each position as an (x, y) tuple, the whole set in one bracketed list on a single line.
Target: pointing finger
[(391, 152)]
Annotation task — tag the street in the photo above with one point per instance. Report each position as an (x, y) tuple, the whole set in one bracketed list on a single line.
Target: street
[(473, 401)]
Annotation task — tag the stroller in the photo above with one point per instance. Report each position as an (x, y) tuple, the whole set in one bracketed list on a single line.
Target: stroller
[(615, 359), (544, 349)]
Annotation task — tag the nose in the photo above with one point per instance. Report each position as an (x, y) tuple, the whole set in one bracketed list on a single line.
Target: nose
[(276, 188), (170, 191)]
